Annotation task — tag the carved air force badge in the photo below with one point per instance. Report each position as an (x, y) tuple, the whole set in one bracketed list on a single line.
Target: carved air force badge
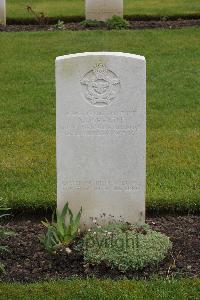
[(100, 85)]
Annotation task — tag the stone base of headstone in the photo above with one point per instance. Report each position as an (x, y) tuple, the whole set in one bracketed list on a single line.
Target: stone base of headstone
[(101, 10)]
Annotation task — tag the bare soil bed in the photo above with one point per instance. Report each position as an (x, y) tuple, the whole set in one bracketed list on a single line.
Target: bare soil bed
[(165, 24), (28, 261)]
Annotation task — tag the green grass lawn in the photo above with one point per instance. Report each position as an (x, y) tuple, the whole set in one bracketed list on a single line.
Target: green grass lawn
[(27, 112), (161, 289), (52, 8)]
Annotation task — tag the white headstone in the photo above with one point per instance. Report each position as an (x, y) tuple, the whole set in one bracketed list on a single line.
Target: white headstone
[(3, 12), (102, 10), (101, 135)]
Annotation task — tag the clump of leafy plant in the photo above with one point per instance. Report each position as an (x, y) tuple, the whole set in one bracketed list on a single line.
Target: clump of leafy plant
[(125, 246), (60, 25), (4, 232), (116, 22), (40, 17), (92, 23), (62, 230)]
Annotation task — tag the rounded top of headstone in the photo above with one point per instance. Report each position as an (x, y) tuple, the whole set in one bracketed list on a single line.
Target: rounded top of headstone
[(103, 53)]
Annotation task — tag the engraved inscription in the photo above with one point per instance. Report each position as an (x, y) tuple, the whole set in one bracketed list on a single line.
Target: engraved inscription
[(101, 185), (100, 85), (101, 123)]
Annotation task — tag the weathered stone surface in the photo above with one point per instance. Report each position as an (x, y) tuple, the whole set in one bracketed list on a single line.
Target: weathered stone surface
[(3, 12), (102, 10), (101, 135)]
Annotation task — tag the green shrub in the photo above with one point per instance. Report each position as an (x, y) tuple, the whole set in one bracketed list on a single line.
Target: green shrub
[(125, 246), (117, 22), (58, 233)]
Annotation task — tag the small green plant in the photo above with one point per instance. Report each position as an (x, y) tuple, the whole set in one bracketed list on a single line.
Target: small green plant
[(60, 25), (125, 246), (62, 230), (4, 233), (117, 22)]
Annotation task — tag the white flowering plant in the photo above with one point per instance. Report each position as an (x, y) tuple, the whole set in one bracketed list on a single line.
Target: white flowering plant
[(125, 246)]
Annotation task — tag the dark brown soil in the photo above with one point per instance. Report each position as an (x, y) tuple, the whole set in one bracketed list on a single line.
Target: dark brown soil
[(169, 24), (27, 260)]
